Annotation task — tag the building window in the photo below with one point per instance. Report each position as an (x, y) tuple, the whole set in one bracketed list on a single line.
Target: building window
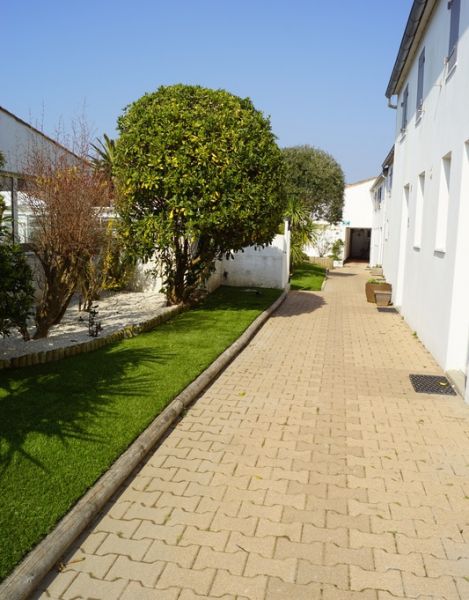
[(419, 203), (443, 204), (455, 7), (404, 103), (420, 84)]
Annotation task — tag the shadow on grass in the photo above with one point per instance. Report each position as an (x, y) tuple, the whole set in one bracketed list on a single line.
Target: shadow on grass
[(67, 400), (59, 400)]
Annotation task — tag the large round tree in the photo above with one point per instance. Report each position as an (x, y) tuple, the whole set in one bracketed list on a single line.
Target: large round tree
[(199, 175), (316, 180)]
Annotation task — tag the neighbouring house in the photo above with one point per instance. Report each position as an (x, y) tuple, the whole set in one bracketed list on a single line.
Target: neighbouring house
[(16, 137), (425, 251), (380, 194), (355, 228)]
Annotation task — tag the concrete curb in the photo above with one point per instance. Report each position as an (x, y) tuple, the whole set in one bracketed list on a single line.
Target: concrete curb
[(35, 566), (326, 277)]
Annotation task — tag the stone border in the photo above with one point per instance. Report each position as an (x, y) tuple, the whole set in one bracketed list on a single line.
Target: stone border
[(37, 564), (38, 358)]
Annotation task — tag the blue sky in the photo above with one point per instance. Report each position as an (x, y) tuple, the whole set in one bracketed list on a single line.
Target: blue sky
[(318, 68)]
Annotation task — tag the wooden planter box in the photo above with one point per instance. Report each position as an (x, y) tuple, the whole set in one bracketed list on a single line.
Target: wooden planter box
[(371, 288), (376, 271)]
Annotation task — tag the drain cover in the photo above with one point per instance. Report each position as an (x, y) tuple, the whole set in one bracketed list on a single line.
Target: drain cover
[(431, 384), (388, 309)]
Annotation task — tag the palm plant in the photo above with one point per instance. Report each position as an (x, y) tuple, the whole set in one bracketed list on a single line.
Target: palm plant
[(304, 230), (103, 161)]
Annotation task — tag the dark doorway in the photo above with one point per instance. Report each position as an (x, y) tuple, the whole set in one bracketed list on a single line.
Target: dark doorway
[(360, 243)]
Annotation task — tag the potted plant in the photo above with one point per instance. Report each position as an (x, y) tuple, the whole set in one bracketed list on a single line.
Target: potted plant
[(374, 285), (376, 271), (337, 253)]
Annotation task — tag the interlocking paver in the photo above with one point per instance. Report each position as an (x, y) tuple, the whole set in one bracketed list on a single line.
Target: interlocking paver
[(136, 591), (85, 586), (198, 581), (309, 469), (145, 572), (249, 587)]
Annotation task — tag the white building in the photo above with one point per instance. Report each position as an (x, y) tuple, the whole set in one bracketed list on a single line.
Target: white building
[(16, 138), (380, 194), (355, 228), (426, 250)]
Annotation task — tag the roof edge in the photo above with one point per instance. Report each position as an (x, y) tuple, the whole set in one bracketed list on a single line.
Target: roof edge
[(347, 185), (38, 131), (412, 27)]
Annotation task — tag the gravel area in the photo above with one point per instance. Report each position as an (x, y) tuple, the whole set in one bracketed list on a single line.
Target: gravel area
[(115, 311)]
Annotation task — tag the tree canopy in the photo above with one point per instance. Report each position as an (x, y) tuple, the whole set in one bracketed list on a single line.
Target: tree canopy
[(199, 175), (317, 179)]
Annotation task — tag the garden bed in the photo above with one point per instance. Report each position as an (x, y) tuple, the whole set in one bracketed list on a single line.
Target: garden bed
[(63, 424)]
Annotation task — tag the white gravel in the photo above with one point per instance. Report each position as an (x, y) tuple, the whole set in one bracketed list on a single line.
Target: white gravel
[(115, 311)]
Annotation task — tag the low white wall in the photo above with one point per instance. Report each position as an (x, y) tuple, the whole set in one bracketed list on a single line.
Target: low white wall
[(267, 267), (260, 267), (145, 278)]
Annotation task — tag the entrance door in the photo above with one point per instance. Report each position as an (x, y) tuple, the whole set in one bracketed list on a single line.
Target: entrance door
[(360, 243)]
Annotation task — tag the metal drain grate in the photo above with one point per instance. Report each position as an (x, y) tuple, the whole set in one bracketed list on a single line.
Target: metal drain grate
[(431, 384), (387, 309)]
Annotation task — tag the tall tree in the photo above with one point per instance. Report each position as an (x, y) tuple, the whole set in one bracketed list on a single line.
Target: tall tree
[(317, 179), (199, 175)]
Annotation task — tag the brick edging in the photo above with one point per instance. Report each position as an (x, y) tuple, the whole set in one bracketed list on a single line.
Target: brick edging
[(35, 566)]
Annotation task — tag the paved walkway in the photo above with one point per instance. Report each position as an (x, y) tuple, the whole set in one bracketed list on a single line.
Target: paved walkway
[(310, 469)]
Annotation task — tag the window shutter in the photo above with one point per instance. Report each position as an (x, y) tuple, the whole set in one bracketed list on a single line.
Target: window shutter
[(404, 102), (420, 81)]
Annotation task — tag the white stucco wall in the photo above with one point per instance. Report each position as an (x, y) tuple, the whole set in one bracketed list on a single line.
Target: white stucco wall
[(260, 267), (429, 272), (358, 204), (255, 266)]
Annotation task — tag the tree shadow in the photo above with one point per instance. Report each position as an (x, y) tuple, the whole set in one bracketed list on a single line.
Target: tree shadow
[(299, 302), (60, 400)]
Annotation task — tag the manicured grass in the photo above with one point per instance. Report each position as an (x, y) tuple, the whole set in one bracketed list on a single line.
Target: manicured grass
[(307, 276), (63, 424)]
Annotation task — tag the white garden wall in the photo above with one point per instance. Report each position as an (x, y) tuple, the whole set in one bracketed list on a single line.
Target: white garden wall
[(260, 267)]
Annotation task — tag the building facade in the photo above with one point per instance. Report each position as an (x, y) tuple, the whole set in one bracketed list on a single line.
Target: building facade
[(425, 245), (355, 228)]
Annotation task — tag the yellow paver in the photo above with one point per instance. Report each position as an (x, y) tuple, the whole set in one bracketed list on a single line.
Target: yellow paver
[(309, 469)]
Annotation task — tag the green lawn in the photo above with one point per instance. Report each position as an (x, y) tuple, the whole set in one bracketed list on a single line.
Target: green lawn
[(63, 424), (307, 276)]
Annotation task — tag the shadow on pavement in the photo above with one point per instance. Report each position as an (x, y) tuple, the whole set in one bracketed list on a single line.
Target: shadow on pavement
[(299, 302)]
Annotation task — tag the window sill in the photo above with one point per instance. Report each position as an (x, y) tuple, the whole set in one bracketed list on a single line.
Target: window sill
[(403, 134), (416, 248), (418, 118), (439, 252)]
